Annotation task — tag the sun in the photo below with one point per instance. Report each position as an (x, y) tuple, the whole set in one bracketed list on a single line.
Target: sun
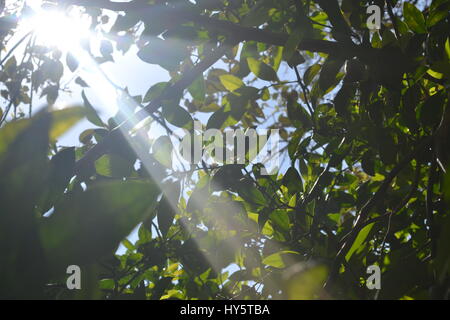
[(63, 30)]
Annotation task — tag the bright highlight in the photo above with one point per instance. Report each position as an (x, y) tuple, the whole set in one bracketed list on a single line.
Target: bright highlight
[(59, 29)]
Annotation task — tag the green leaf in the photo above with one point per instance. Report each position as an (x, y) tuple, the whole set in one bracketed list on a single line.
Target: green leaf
[(197, 89), (167, 53), (201, 192), (226, 177), (297, 114), (277, 260), (125, 22), (113, 165), (430, 112), (251, 194), (53, 70), (362, 236), (167, 207), (447, 48), (145, 233), (310, 73), (154, 91), (162, 151), (280, 219), (226, 116), (293, 181), (63, 120), (292, 43), (177, 115), (91, 114), (262, 70), (296, 59), (368, 163), (277, 58), (436, 16), (343, 99), (62, 169), (86, 136), (231, 82), (414, 18), (127, 244), (329, 72), (160, 287)]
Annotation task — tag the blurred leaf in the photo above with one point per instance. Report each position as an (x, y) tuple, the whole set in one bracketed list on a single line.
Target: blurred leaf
[(23, 168), (63, 120), (91, 224), (106, 48), (307, 284), (72, 62)]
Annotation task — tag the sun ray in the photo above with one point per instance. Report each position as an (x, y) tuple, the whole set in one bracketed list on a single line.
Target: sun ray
[(65, 31)]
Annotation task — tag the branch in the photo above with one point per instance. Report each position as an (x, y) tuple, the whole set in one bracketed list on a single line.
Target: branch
[(304, 89), (148, 12), (393, 18), (429, 204), (14, 48)]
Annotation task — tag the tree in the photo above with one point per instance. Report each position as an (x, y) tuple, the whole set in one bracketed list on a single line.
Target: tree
[(364, 124)]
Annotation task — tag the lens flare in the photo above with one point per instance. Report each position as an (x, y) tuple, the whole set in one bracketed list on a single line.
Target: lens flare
[(63, 30)]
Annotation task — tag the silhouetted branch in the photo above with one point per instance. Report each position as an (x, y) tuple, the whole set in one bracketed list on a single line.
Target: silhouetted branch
[(147, 12)]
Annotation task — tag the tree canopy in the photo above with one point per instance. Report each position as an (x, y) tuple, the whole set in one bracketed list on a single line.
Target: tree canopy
[(363, 118)]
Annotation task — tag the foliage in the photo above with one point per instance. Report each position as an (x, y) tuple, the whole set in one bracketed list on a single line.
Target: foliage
[(365, 128)]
